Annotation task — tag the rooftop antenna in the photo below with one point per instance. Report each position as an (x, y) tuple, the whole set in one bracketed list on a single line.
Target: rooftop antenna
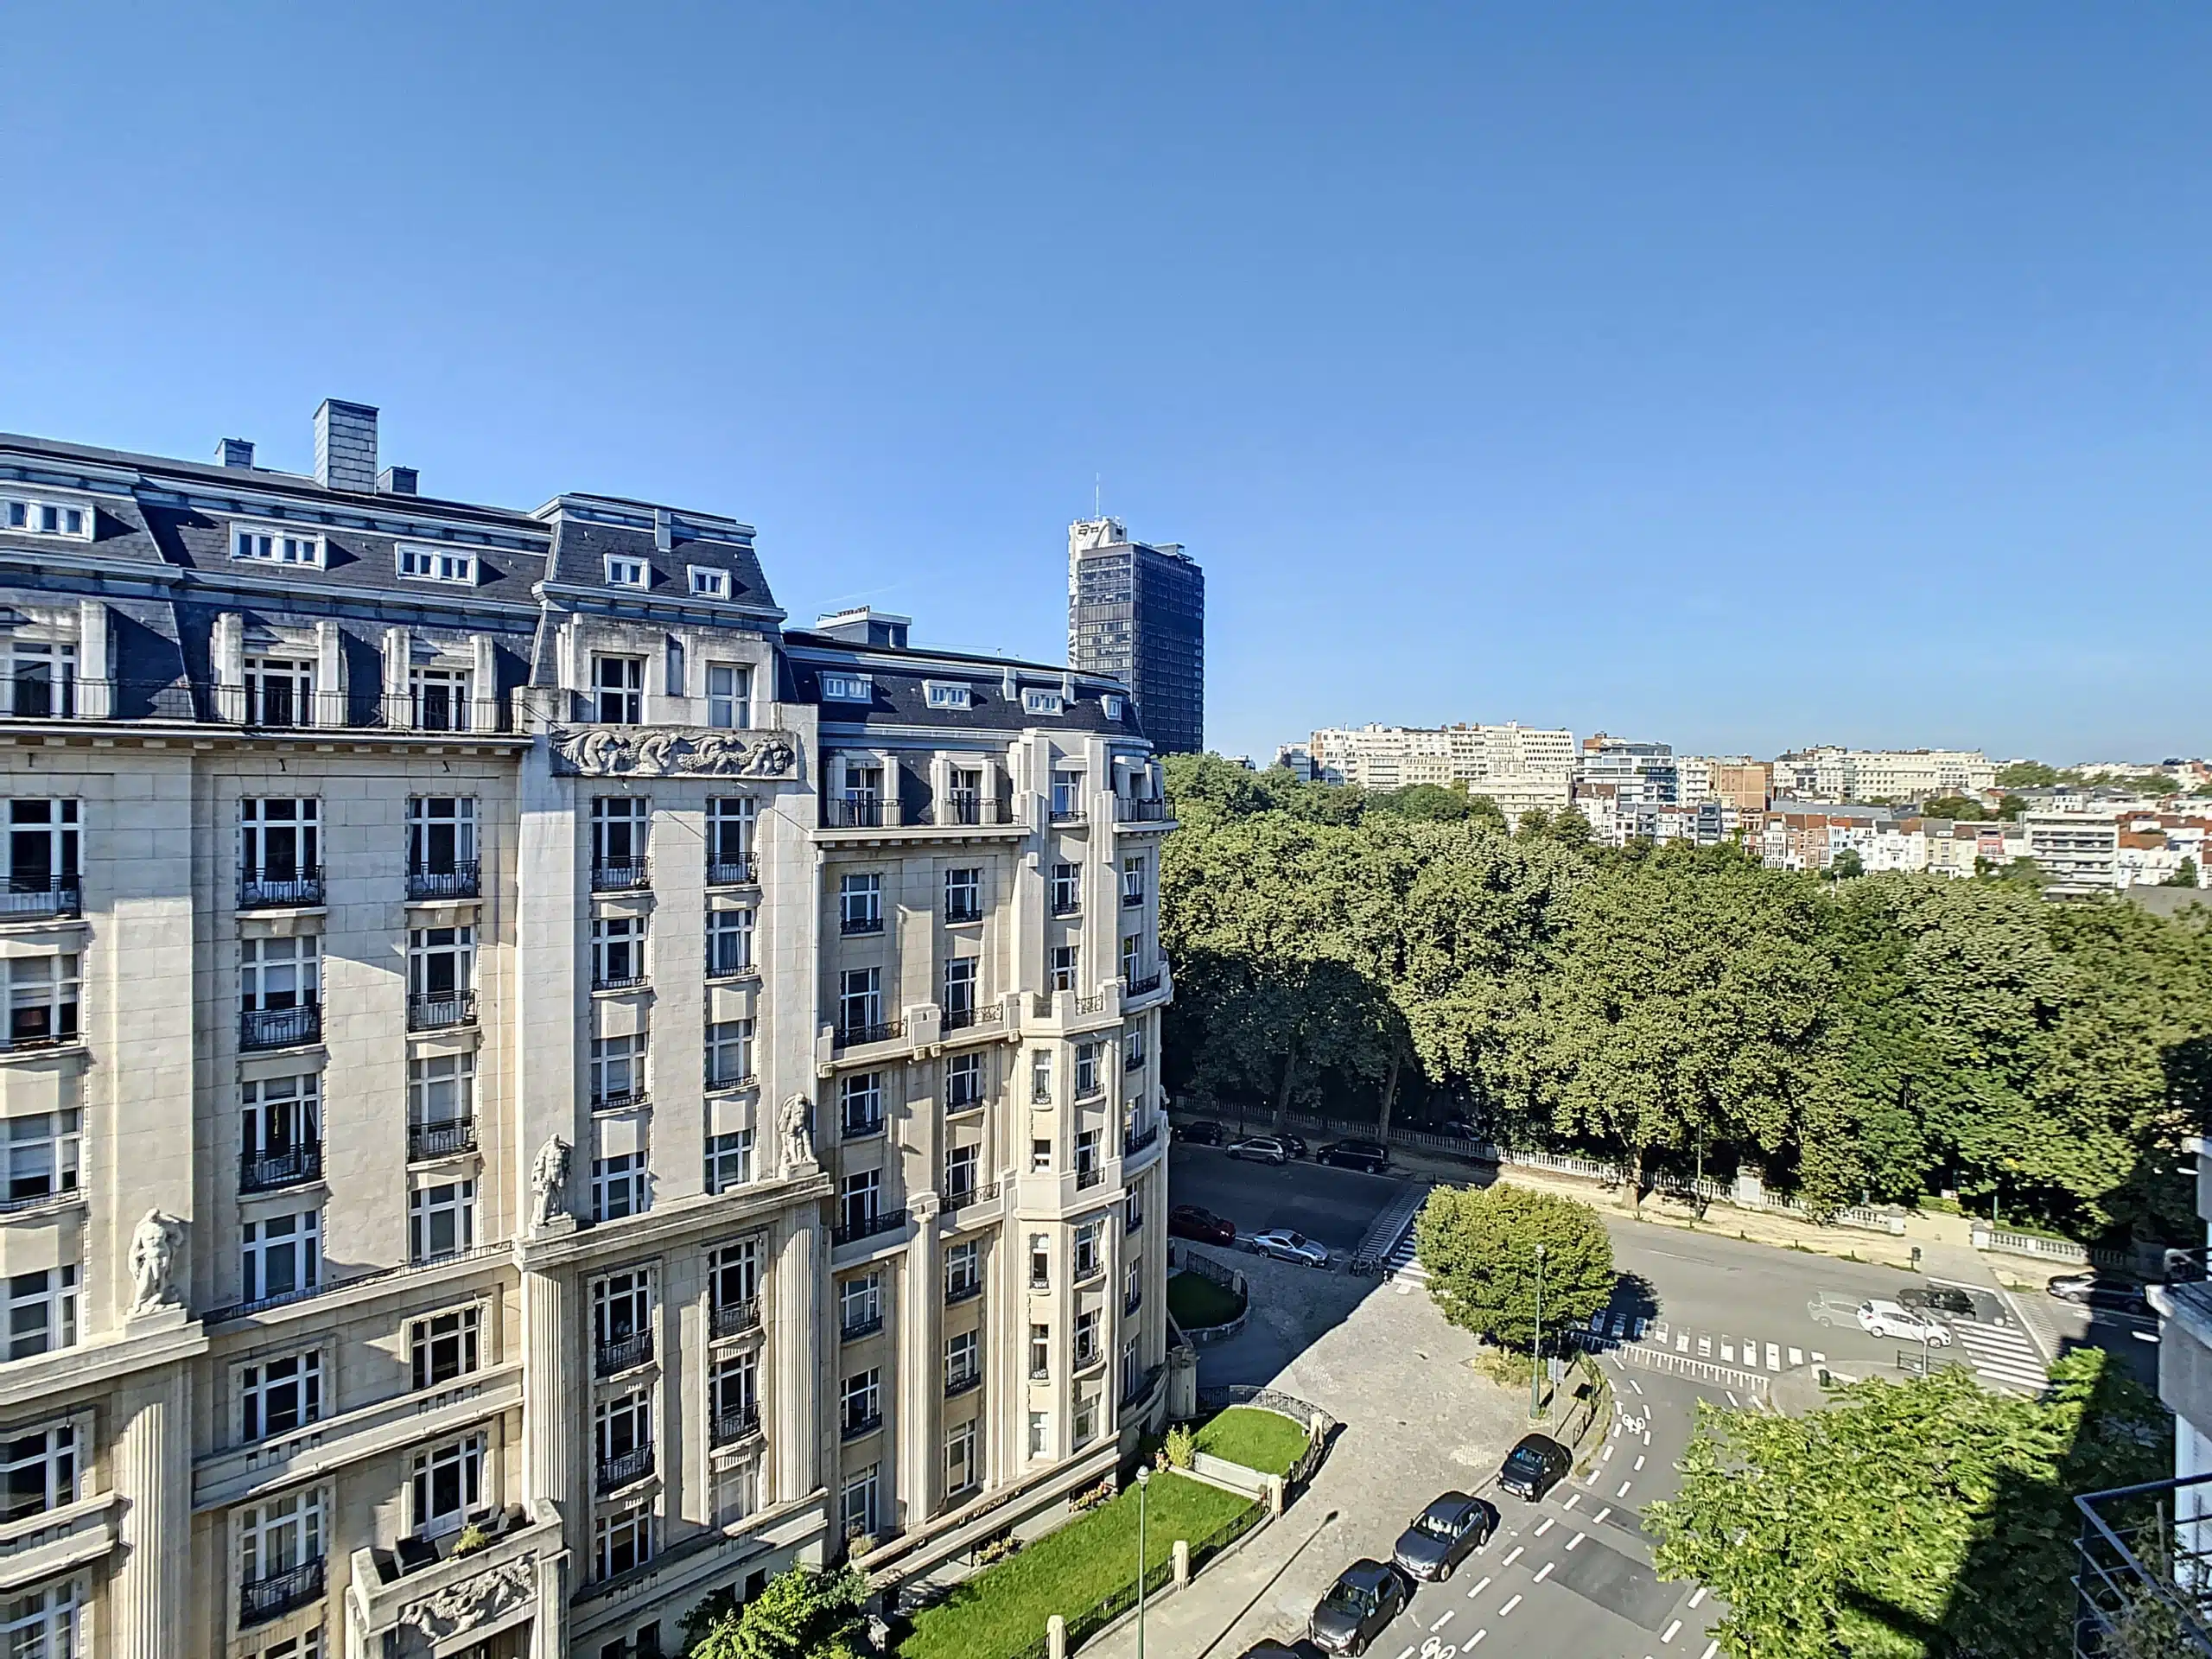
[(1097, 491)]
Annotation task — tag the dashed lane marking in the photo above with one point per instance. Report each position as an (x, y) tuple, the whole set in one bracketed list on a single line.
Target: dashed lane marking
[(1577, 1539), (1711, 1648), (1637, 1386), (1572, 1498), (1598, 1520), (1699, 1596), (1478, 1590), (1544, 1571), (1508, 1607), (1548, 1524), (1639, 1466), (1450, 1613), (1668, 1635), (1519, 1551), (1623, 1490)]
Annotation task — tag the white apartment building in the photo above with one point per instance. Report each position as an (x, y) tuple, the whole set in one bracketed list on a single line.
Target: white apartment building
[(1830, 773), (535, 1094), (1395, 757), (2076, 852)]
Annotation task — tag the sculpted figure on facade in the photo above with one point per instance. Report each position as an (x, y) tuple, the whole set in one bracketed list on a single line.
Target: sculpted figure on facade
[(154, 1246), (668, 751), (549, 1178), (799, 1132)]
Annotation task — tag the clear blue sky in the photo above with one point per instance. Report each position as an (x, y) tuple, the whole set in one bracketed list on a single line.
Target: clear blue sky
[(1737, 377)]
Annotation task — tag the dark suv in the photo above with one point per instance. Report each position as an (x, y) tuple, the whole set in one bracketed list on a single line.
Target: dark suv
[(1939, 1299), (1443, 1535), (1199, 1132), (1359, 1607), (1355, 1154), (1533, 1467)]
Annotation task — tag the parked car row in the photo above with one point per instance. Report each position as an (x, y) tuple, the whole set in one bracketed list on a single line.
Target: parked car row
[(1369, 1594), (1370, 1156)]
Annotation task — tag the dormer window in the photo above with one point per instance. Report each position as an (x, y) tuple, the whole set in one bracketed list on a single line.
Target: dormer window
[(1041, 703), (625, 573), (708, 584), (437, 564), (1112, 705), (29, 517), (847, 687), (945, 695), (276, 546)]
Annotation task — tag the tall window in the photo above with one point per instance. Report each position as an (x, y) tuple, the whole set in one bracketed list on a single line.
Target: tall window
[(860, 1305), (729, 1053), (960, 978), (441, 1091), (617, 951), (41, 1311), (618, 830), (729, 695), (279, 840), (279, 972), (1087, 1082), (963, 895), (42, 846), (622, 1541), (280, 1116), (43, 1153), (1067, 794), (1040, 1434), (860, 1103), (279, 692), (963, 1359), (1040, 1351), (1040, 1076), (623, 1426), (856, 1504), (1064, 959), (860, 1001), (729, 940), (281, 1256), (42, 680), (860, 904), (863, 1400), (40, 1470), (444, 1346), (440, 964), (1087, 1258), (730, 1159), (963, 1081), (860, 1196), (281, 1535), (618, 1070), (965, 790), (42, 1624), (619, 1185), (440, 835), (440, 1220), (621, 1308), (730, 821), (1086, 1337), (619, 687), (864, 793), (278, 1396), (1132, 957), (963, 1270), (960, 1165), (446, 1484), (1040, 1261), (734, 1273), (1132, 880), (735, 1383), (441, 697), (1132, 1045), (1067, 888)]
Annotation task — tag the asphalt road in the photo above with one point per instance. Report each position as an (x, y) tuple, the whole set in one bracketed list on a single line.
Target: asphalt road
[(1336, 1206)]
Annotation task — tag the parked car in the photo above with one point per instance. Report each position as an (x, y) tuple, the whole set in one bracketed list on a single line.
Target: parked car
[(1443, 1535), (1200, 1132), (1261, 1149), (1356, 1155), (1285, 1245), (1939, 1299), (1533, 1467), (1885, 1319), (1189, 1221), (1271, 1650), (1359, 1607), (1295, 1144), (1834, 1307), (2108, 1292)]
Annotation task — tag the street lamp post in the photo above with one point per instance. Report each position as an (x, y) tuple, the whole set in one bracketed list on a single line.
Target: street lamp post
[(1143, 1476), (1536, 1368)]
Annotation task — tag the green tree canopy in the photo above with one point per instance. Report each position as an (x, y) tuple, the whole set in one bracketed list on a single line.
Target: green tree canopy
[(802, 1614), (2031, 775), (1962, 808), (1479, 1247)]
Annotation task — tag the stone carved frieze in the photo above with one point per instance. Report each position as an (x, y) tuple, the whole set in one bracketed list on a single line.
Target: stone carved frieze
[(470, 1604), (673, 751)]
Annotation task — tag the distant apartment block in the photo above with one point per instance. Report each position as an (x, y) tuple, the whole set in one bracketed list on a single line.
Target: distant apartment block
[(1137, 613), (1638, 773), (1520, 767), (1830, 773)]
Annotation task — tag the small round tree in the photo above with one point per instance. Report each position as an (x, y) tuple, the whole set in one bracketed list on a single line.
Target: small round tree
[(1479, 1247)]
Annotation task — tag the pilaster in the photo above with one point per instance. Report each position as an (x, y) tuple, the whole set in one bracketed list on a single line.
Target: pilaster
[(153, 1471)]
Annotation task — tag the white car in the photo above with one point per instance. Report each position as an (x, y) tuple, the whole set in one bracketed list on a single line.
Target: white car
[(1879, 1318), (1285, 1245)]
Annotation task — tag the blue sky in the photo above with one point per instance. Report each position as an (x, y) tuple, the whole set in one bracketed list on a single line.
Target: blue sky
[(1738, 377)]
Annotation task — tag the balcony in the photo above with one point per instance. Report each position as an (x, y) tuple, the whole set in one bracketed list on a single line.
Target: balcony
[(852, 812), (623, 1354), (966, 1099), (857, 926), (956, 1293), (852, 1229), (2143, 1564), (449, 1139), (264, 1171), (960, 809), (741, 1423), (463, 879), (627, 1469), (1133, 1060), (1132, 1302), (260, 1028), (442, 1012), (629, 1099), (854, 1330), (1134, 1222), (1137, 1141), (731, 872), (27, 697), (1089, 1269), (617, 981), (264, 1599), (621, 875), (1141, 1387), (1133, 809), (734, 1319), (17, 1202), (721, 1080), (282, 888), (1141, 985), (881, 1031), (1087, 1354), (29, 897), (1068, 813), (954, 913), (1067, 906), (961, 1198), (1132, 901), (860, 1129), (963, 1381), (855, 1427), (1085, 1179)]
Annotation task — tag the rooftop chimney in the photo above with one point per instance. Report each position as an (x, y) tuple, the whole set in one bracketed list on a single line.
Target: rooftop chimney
[(397, 480), (664, 529), (346, 446), (234, 452)]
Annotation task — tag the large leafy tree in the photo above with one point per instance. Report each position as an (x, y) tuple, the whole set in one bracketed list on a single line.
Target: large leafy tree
[(1479, 1248), (1905, 1520), (802, 1614)]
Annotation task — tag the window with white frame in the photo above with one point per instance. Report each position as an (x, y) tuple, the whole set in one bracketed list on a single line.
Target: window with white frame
[(622, 1541), (440, 1220), (729, 940), (618, 1071), (445, 1486), (273, 545), (1133, 1044), (621, 1307), (737, 1492), (280, 838), (1063, 966), (1040, 1434), (40, 1467), (962, 975), (859, 1197), (451, 564), (963, 894), (441, 698), (619, 1185), (1067, 888), (281, 1256), (617, 951), (1087, 1081), (860, 903), (618, 830), (1132, 880), (1086, 1419), (29, 515), (623, 1426), (1040, 1261), (41, 1311), (279, 691), (1041, 1156), (730, 1159), (1040, 1350), (961, 1469), (440, 1091), (729, 695), (444, 1346), (963, 1358), (440, 964), (863, 1399), (441, 834), (729, 1053), (1086, 1337), (1086, 1150), (708, 582), (1132, 957), (1040, 1076), (307, 1644), (1087, 1258), (279, 972), (42, 992), (963, 1268), (278, 1396), (730, 821), (277, 1536), (735, 1385), (41, 679), (847, 688), (625, 572), (43, 1153), (948, 694), (618, 686), (857, 1504), (860, 1104), (963, 1081), (860, 999), (1110, 706), (1034, 701), (1067, 793), (42, 845), (734, 1273), (42, 1624)]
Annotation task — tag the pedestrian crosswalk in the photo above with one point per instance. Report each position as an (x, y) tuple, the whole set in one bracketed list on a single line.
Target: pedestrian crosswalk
[(2001, 1355)]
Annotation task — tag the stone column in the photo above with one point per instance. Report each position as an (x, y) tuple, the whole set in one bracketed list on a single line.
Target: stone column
[(920, 1422), (551, 1415), (149, 1594), (795, 1348)]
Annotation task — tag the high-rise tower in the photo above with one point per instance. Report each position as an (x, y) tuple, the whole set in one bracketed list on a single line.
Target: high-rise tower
[(1138, 612)]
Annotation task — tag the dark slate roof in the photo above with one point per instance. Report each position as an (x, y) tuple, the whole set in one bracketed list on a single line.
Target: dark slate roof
[(581, 543), (900, 700)]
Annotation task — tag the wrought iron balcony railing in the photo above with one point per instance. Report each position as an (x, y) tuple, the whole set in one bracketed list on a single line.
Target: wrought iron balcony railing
[(735, 1318), (620, 874), (616, 1472), (29, 895), (730, 872), (461, 879), (447, 1139), (274, 1593), (441, 1011), (739, 1423), (624, 1353), (852, 1229), (264, 1171), (279, 1028), (283, 887)]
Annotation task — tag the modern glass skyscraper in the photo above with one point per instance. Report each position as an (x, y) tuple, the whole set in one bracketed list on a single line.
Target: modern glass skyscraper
[(1138, 612)]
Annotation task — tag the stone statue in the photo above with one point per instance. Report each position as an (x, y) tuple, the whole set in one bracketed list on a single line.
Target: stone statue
[(798, 1131), (549, 1178), (154, 1249)]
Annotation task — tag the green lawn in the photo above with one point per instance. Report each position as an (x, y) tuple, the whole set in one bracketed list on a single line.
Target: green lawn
[(1264, 1440), (1003, 1609), (1195, 1301)]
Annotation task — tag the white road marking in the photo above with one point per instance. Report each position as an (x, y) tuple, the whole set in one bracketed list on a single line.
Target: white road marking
[(1728, 1352), (1639, 1466), (1773, 1358), (1572, 1498), (1796, 1356), (1668, 1635), (1818, 1358), (1704, 1347), (1637, 1386), (1476, 1639), (1478, 1590), (1608, 1456), (1577, 1539), (1450, 1613), (1508, 1607), (1518, 1550), (1732, 1400), (1699, 1596), (1599, 1519), (1407, 1653), (1544, 1571), (1623, 1490), (1711, 1648), (1548, 1524)]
